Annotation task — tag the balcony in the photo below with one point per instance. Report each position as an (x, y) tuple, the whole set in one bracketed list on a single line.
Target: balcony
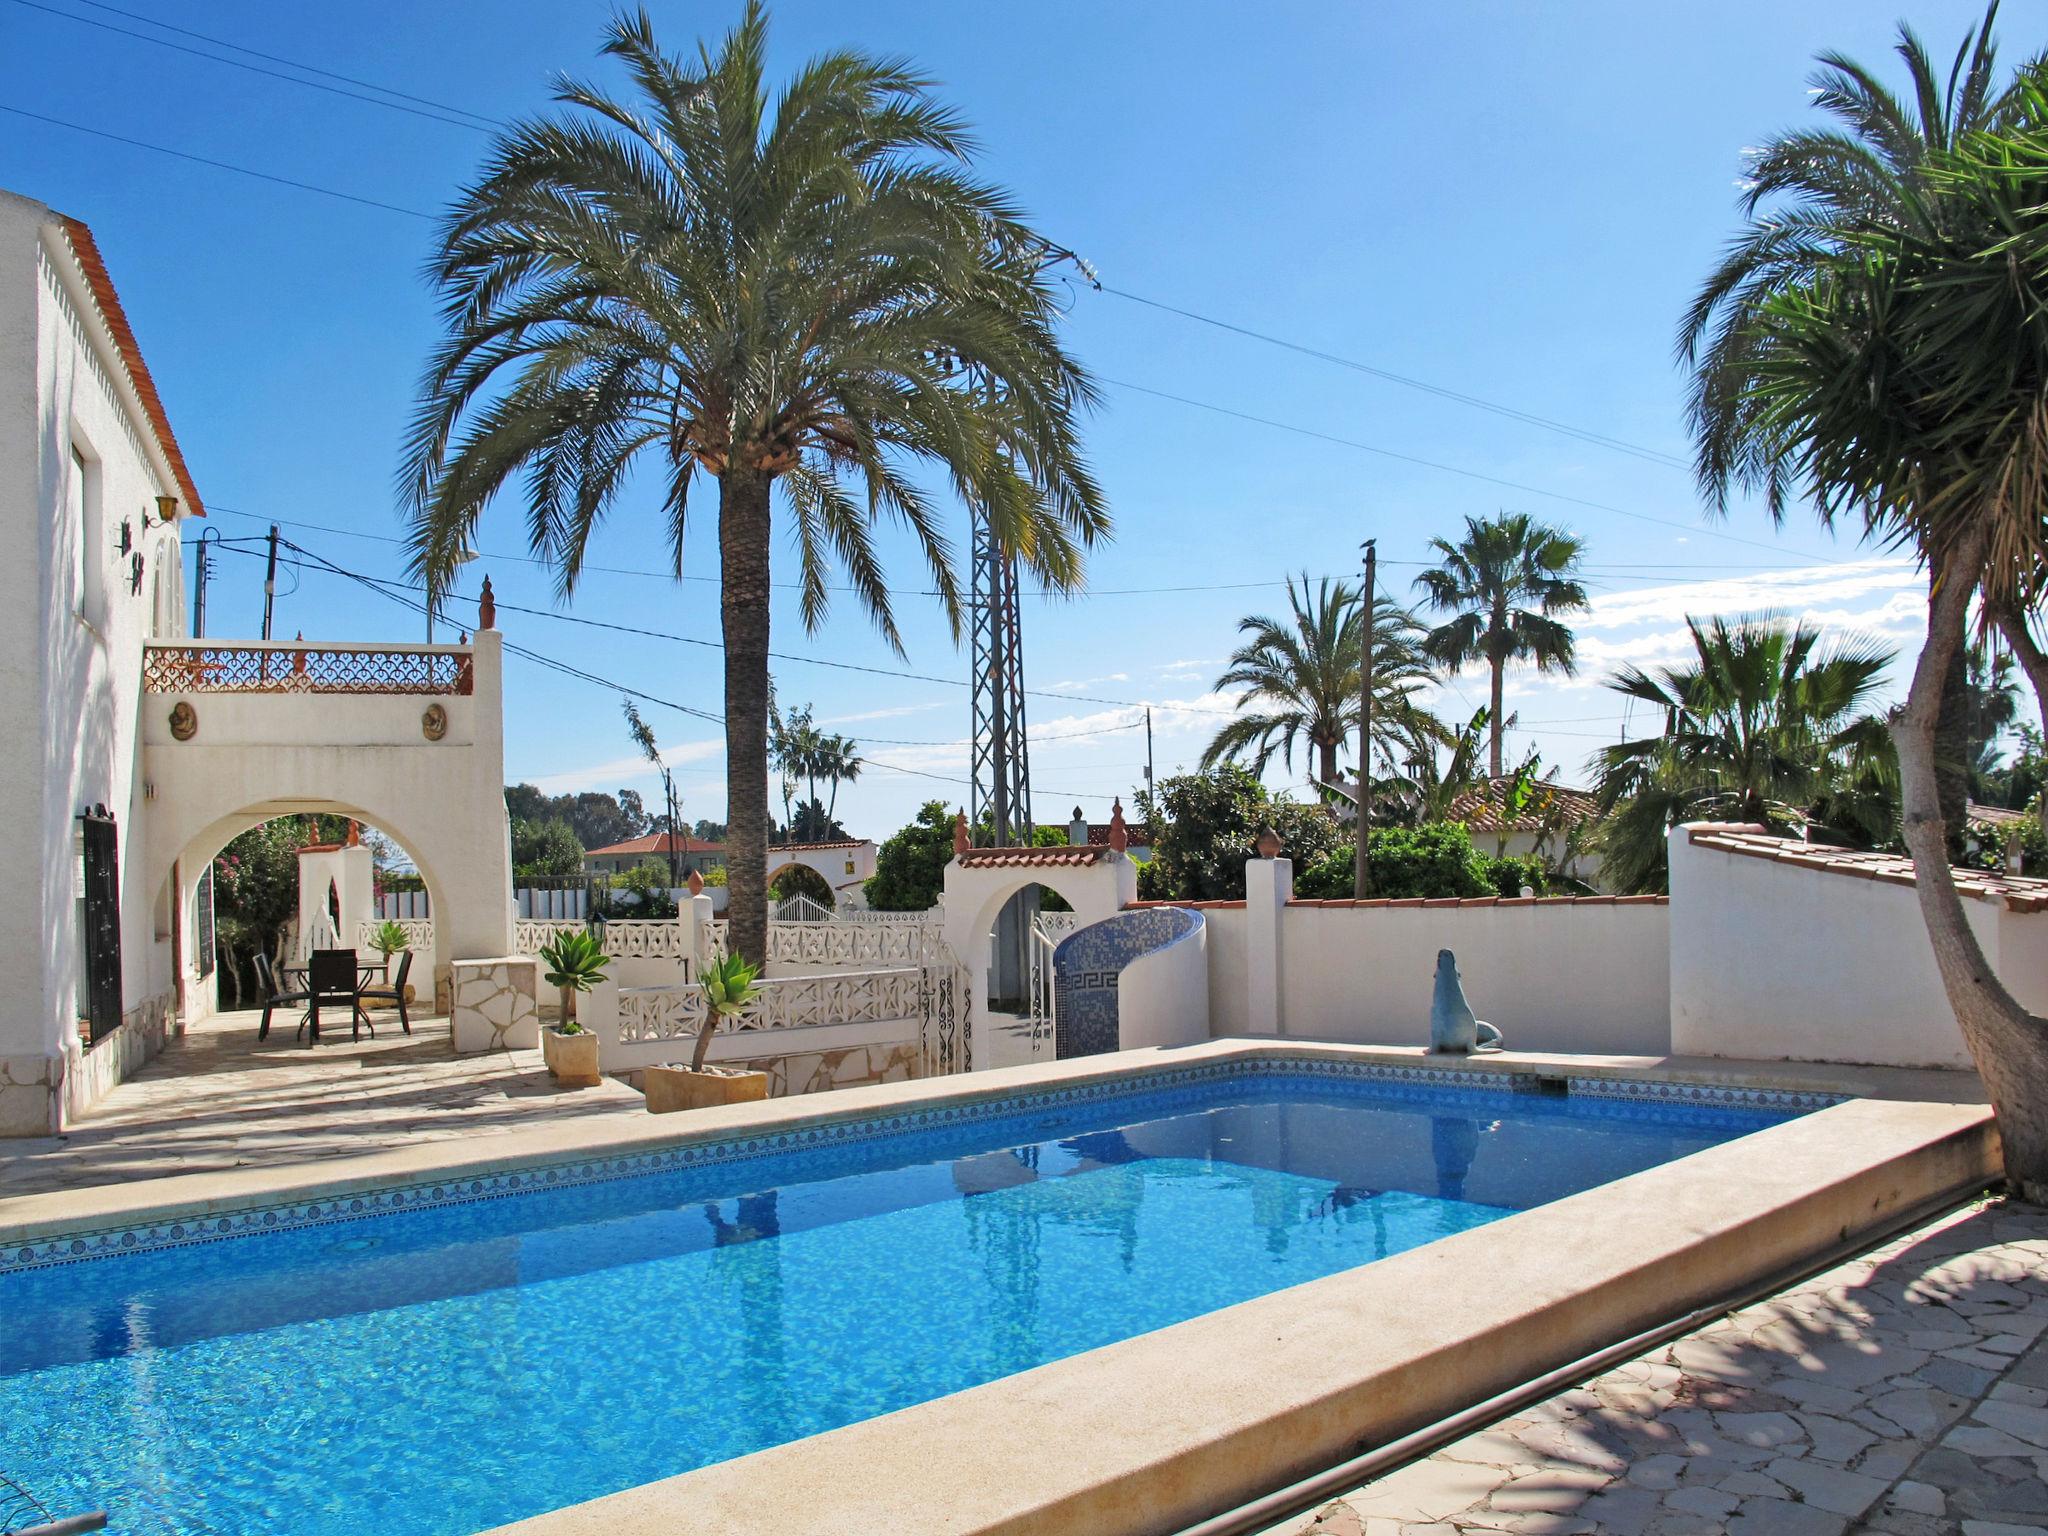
[(240, 666)]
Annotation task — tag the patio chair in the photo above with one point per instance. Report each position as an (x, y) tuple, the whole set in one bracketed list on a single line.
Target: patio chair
[(332, 977), (395, 993), (275, 993)]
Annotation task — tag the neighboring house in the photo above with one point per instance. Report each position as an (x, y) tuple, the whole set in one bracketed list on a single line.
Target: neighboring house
[(98, 487), (692, 853), (1542, 825)]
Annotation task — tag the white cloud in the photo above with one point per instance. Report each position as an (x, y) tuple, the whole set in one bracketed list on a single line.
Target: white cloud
[(893, 712), (609, 775), (1072, 685)]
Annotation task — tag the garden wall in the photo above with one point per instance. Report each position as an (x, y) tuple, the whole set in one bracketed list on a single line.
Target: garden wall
[(1784, 950), (1562, 974)]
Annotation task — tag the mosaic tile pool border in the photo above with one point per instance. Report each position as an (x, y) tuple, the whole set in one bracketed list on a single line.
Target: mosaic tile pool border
[(1152, 1083)]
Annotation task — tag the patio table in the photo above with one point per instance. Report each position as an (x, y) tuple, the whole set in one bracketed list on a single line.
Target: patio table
[(365, 969)]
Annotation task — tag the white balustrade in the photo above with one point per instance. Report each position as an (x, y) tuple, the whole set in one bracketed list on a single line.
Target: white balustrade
[(419, 933), (784, 1002)]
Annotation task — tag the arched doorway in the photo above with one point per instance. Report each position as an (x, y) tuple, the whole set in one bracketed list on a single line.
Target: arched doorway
[(285, 885), (198, 856)]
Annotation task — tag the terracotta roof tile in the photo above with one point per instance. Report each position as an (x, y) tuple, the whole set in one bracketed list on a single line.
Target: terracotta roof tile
[(1483, 807), (1032, 858), (2018, 893), (94, 266), (1482, 901)]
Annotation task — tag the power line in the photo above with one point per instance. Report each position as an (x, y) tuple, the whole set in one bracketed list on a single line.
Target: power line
[(218, 165), (1598, 439), (1620, 570), (1204, 405), (486, 126), (1449, 469), (311, 69)]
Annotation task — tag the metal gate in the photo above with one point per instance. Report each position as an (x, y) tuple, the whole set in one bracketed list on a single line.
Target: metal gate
[(100, 924), (203, 921), (1041, 996)]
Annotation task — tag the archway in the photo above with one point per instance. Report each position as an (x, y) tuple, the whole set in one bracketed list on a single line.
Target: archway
[(795, 878), (1097, 882), (200, 851)]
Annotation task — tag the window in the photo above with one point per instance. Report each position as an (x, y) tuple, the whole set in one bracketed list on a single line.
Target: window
[(83, 497)]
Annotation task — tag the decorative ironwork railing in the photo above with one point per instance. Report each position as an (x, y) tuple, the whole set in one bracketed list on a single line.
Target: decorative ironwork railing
[(837, 943), (259, 668), (785, 1002), (1056, 925), (419, 934)]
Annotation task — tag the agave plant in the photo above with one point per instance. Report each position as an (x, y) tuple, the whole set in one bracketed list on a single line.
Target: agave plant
[(389, 937), (575, 962), (728, 989)]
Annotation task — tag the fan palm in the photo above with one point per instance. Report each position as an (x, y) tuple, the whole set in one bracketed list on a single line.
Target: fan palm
[(805, 296), (1895, 368), (1505, 583), (1760, 724), (1300, 679)]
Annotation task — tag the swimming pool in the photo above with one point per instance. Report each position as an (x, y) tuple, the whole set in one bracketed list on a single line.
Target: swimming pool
[(463, 1361)]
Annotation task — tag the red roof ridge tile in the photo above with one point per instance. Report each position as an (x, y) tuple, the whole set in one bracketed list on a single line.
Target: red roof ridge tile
[(93, 265)]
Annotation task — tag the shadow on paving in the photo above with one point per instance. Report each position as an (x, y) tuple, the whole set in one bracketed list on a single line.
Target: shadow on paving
[(1905, 1392)]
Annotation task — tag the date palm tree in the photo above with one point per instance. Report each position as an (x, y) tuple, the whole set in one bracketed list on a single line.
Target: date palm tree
[(798, 297), (1506, 584), (1300, 679), (1890, 363), (1759, 725)]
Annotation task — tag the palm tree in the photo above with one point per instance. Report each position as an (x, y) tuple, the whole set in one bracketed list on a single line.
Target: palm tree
[(1806, 191), (1505, 583), (805, 295), (837, 761), (1300, 679), (1889, 361), (1760, 725)]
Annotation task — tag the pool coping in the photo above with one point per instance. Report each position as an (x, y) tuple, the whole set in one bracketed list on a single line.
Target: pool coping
[(1152, 1433), (36, 1219)]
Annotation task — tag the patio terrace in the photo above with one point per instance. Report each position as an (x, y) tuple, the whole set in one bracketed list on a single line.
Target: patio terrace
[(217, 1099)]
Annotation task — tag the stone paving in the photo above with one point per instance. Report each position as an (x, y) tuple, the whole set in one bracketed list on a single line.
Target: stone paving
[(216, 1098), (1905, 1393)]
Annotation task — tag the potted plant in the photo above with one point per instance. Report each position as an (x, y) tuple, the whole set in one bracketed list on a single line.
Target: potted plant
[(575, 962), (728, 988), (389, 938)]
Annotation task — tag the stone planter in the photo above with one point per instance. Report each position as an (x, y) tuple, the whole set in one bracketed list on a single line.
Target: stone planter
[(672, 1088), (571, 1058)]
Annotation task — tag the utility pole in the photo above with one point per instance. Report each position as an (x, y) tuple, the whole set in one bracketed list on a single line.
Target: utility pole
[(199, 574), (1148, 749), (270, 582), (1361, 879)]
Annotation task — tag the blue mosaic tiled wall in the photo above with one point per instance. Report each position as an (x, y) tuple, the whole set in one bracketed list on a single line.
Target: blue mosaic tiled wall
[(1088, 965)]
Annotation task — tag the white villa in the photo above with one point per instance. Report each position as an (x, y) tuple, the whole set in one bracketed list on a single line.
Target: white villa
[(136, 753)]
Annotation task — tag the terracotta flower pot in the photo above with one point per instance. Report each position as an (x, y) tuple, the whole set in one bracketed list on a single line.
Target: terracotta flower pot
[(672, 1088), (571, 1058)]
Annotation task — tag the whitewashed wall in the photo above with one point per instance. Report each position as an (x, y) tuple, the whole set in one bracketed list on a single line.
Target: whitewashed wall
[(1586, 975), (1772, 961), (1163, 996), (71, 632)]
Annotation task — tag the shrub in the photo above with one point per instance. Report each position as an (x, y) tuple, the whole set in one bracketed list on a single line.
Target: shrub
[(1204, 826), (1433, 861), (910, 868)]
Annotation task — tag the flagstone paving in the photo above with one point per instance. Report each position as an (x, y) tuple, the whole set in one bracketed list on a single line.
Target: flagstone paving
[(218, 1098), (1903, 1393)]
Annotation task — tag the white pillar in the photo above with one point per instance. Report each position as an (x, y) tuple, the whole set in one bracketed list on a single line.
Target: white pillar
[(1268, 887), (697, 914)]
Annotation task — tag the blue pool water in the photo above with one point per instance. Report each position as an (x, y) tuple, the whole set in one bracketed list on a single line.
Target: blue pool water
[(442, 1370)]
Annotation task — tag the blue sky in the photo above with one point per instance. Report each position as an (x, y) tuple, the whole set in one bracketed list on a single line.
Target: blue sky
[(1507, 201)]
